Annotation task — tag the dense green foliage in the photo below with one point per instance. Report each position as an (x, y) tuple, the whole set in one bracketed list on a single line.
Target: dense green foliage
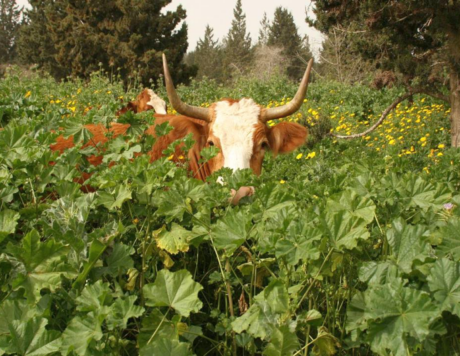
[(283, 33), (346, 247), (128, 37), (207, 56), (237, 45), (9, 27)]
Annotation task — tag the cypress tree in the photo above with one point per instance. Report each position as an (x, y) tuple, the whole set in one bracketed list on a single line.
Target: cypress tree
[(237, 44), (208, 56), (78, 37), (283, 33), (9, 25), (264, 30), (419, 40)]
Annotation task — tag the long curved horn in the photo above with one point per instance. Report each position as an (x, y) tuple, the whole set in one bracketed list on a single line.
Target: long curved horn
[(182, 108), (294, 105)]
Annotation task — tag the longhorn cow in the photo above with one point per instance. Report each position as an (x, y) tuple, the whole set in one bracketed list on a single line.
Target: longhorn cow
[(237, 127)]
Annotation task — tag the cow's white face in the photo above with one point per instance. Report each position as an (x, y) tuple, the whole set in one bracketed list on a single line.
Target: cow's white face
[(233, 127)]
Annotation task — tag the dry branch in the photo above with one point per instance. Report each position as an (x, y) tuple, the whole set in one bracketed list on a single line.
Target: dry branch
[(382, 117)]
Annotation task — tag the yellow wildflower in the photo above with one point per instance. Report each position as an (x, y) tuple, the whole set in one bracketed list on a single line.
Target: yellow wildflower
[(282, 181), (441, 145), (299, 156), (28, 94)]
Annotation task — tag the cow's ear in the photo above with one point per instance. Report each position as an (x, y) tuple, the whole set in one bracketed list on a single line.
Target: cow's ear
[(286, 137)]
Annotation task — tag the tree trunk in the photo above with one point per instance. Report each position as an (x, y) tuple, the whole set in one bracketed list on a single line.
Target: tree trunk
[(455, 108), (454, 54)]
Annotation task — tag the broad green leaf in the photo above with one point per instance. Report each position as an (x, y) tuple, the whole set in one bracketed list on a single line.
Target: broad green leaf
[(299, 243), (96, 249), (12, 310), (96, 298), (171, 204), (119, 261), (420, 192), (114, 198), (189, 332), (312, 317), (264, 315), (176, 240), (408, 243), (423, 194), (231, 231), (122, 310), (270, 231), (344, 231), (273, 198), (450, 237), (8, 221), (283, 342), (357, 313), (354, 205), (378, 272), (31, 338), (166, 347), (76, 129), (80, 333), (42, 262), (326, 344), (176, 290), (392, 315), (444, 283)]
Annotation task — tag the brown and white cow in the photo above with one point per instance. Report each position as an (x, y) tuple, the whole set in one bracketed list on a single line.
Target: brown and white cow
[(237, 127)]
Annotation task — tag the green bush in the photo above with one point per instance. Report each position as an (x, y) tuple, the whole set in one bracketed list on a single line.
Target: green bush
[(347, 247)]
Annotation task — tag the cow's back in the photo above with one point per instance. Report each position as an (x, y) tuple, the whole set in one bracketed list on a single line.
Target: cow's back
[(182, 126)]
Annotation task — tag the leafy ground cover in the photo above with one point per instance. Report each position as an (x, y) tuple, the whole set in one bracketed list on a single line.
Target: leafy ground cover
[(347, 247)]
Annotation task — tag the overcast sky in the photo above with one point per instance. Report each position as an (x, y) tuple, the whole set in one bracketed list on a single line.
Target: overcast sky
[(219, 14)]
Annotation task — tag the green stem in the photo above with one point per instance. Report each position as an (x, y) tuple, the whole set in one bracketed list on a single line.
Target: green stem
[(314, 279), (158, 327)]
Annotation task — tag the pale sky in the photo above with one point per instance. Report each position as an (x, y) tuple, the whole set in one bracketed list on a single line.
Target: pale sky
[(219, 14)]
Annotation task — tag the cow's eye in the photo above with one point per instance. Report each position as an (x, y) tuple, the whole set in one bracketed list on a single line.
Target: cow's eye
[(210, 143), (265, 146)]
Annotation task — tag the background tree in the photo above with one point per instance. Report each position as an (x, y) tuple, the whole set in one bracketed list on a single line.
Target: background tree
[(77, 38), (237, 45), (207, 56), (283, 33), (35, 45), (264, 30), (10, 15), (420, 40), (340, 60)]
